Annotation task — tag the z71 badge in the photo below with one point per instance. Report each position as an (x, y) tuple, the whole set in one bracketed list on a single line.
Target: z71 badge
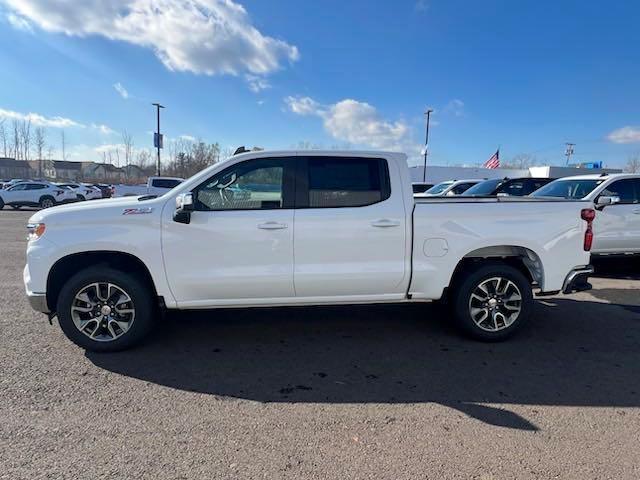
[(137, 211)]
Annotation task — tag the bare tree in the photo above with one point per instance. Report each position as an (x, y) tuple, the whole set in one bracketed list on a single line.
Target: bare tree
[(633, 164), (3, 138), (143, 160), (40, 139), (25, 138), (522, 160), (16, 139), (127, 144), (63, 144)]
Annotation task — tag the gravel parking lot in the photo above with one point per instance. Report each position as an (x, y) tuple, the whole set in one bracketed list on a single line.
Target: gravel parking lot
[(336, 392)]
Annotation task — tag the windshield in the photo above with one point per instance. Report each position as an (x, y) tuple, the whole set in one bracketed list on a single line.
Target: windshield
[(439, 188), (572, 189), (483, 188)]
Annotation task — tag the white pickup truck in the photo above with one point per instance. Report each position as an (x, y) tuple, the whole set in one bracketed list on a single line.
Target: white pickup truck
[(154, 186), (616, 196), (300, 228)]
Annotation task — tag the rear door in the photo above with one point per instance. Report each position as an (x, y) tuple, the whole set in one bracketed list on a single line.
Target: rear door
[(349, 229), (617, 227)]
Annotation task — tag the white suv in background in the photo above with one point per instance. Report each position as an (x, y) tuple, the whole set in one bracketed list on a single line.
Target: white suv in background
[(83, 191), (35, 194), (617, 199), (449, 188)]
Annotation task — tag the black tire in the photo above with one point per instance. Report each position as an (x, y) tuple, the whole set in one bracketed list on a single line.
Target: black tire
[(81, 198), (486, 330), (47, 202), (1, 204), (140, 293)]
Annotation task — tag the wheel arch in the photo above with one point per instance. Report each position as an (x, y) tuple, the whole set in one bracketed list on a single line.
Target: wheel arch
[(70, 264), (522, 258)]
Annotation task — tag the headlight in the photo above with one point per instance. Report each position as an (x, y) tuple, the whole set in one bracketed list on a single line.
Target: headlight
[(35, 230)]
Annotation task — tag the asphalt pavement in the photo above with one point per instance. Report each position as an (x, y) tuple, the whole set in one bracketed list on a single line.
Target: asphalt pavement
[(390, 392)]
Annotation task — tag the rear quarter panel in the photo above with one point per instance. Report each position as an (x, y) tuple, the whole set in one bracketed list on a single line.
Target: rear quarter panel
[(444, 233)]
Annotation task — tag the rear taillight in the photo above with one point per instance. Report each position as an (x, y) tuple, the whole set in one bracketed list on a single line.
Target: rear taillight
[(58, 192), (588, 215), (87, 192)]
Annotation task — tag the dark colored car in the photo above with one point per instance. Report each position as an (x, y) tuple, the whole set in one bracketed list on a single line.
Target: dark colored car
[(106, 190), (420, 187), (515, 187)]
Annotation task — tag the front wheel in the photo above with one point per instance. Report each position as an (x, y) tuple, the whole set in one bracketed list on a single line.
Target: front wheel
[(105, 310), (47, 202), (492, 301)]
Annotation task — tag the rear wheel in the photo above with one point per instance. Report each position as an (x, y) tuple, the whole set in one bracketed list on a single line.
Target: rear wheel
[(105, 310), (47, 202), (1, 204), (492, 301)]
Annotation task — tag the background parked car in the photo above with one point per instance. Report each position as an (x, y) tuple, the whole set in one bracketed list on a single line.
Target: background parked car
[(35, 194), (83, 191), (105, 189), (515, 187), (617, 199), (420, 187), (450, 187)]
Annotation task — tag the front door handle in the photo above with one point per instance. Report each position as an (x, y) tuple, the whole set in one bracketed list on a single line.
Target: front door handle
[(272, 226), (385, 223)]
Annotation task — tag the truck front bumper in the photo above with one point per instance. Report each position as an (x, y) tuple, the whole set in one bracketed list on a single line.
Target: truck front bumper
[(38, 302), (577, 280)]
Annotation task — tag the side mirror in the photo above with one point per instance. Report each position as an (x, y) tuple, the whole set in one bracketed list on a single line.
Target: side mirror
[(184, 207), (604, 200)]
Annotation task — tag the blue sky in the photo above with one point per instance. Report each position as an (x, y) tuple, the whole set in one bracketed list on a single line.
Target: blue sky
[(523, 75)]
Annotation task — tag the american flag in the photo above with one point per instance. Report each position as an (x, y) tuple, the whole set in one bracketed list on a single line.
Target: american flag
[(494, 160)]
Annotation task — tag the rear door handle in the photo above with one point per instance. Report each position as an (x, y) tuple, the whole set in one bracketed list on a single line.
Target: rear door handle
[(385, 223), (272, 226)]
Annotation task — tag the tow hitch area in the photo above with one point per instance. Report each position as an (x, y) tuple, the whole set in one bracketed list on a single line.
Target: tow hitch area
[(576, 281)]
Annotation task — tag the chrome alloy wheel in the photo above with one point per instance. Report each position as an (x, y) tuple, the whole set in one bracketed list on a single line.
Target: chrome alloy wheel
[(47, 203), (495, 304), (103, 311)]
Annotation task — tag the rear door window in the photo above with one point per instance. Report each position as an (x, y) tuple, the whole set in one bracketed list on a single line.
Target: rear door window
[(344, 182)]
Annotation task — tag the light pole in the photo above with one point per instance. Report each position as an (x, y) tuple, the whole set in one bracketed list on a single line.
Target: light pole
[(569, 151), (426, 146), (157, 138)]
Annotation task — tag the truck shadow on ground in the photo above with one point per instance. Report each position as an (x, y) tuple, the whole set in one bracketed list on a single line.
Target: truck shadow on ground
[(573, 353)]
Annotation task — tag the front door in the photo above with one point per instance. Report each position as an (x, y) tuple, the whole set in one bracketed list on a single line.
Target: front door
[(350, 232), (617, 227), (238, 247)]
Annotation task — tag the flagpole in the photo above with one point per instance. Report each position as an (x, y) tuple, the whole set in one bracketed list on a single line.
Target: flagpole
[(426, 146)]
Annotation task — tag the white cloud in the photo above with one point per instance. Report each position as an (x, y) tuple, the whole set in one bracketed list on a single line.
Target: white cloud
[(110, 147), (421, 6), (188, 138), (355, 122), (121, 90), (40, 120), (625, 135), (104, 129), (200, 36), (455, 107), (19, 23), (303, 105), (256, 83)]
